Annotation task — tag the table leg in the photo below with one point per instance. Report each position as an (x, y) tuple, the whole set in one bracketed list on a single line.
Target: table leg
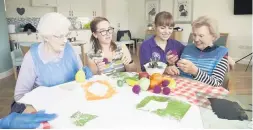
[(248, 64), (15, 72), (82, 51), (134, 48)]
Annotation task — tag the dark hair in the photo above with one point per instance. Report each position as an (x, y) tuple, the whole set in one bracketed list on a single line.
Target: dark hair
[(164, 19), (93, 28)]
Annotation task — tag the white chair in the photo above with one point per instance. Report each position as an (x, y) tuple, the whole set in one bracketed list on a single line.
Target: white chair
[(17, 59), (130, 43), (124, 37), (17, 55)]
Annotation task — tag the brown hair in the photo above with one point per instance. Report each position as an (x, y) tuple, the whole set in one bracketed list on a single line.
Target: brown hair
[(93, 28), (164, 19)]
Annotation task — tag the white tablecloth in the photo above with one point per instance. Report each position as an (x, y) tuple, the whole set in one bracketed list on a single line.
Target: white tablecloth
[(118, 112)]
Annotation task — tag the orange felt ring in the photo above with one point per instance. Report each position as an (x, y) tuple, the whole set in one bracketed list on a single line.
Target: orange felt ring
[(91, 96)]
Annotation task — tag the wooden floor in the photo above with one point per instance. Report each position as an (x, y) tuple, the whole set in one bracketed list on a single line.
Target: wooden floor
[(240, 82)]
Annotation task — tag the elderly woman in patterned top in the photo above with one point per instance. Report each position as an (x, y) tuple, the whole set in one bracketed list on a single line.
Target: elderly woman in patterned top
[(106, 56)]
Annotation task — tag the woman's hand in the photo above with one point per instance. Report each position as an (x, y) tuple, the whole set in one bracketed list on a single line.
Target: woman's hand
[(100, 65), (172, 70), (126, 60), (171, 58), (231, 64), (187, 67)]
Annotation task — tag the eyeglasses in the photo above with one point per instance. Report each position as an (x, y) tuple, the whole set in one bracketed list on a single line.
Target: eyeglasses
[(104, 32), (62, 36)]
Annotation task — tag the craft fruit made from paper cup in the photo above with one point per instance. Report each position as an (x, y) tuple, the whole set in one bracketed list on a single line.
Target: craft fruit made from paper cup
[(157, 89), (166, 91), (131, 81), (136, 89), (155, 79), (80, 76), (105, 60), (144, 83), (120, 83), (174, 52), (143, 74), (172, 82)]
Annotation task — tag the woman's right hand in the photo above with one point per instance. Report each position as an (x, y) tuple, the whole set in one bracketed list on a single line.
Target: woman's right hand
[(171, 58), (100, 65), (172, 70)]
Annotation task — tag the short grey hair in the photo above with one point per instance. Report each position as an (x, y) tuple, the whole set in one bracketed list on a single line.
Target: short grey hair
[(53, 24), (210, 23)]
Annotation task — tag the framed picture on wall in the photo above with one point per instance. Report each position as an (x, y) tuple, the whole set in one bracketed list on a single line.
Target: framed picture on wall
[(152, 7), (183, 11)]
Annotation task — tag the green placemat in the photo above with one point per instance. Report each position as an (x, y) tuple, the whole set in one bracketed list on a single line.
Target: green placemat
[(175, 108), (80, 119)]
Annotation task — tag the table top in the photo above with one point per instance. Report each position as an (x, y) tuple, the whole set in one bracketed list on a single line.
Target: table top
[(209, 119), (78, 43)]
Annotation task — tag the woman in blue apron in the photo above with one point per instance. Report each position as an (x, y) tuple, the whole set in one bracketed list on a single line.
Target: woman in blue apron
[(49, 63)]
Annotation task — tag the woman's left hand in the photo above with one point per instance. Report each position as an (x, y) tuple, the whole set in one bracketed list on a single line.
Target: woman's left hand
[(126, 60), (187, 67)]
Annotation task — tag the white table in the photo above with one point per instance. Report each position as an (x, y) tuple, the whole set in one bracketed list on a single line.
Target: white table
[(54, 101)]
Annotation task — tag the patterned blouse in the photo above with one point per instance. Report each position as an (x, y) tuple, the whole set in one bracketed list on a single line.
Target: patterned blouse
[(116, 64)]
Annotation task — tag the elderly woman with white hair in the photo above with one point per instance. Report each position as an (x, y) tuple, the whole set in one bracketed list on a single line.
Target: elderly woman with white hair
[(203, 60), (49, 63)]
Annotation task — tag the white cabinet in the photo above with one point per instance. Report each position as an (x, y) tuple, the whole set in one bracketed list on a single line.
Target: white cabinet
[(24, 37), (80, 8), (81, 35), (44, 3)]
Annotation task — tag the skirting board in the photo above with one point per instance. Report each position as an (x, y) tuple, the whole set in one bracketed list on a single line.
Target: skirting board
[(6, 73)]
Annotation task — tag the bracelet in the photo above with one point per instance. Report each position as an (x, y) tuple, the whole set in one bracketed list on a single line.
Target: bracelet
[(131, 62), (168, 64)]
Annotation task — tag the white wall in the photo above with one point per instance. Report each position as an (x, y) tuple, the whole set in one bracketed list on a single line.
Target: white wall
[(131, 15), (30, 11), (238, 26), (137, 23), (136, 15), (117, 13)]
